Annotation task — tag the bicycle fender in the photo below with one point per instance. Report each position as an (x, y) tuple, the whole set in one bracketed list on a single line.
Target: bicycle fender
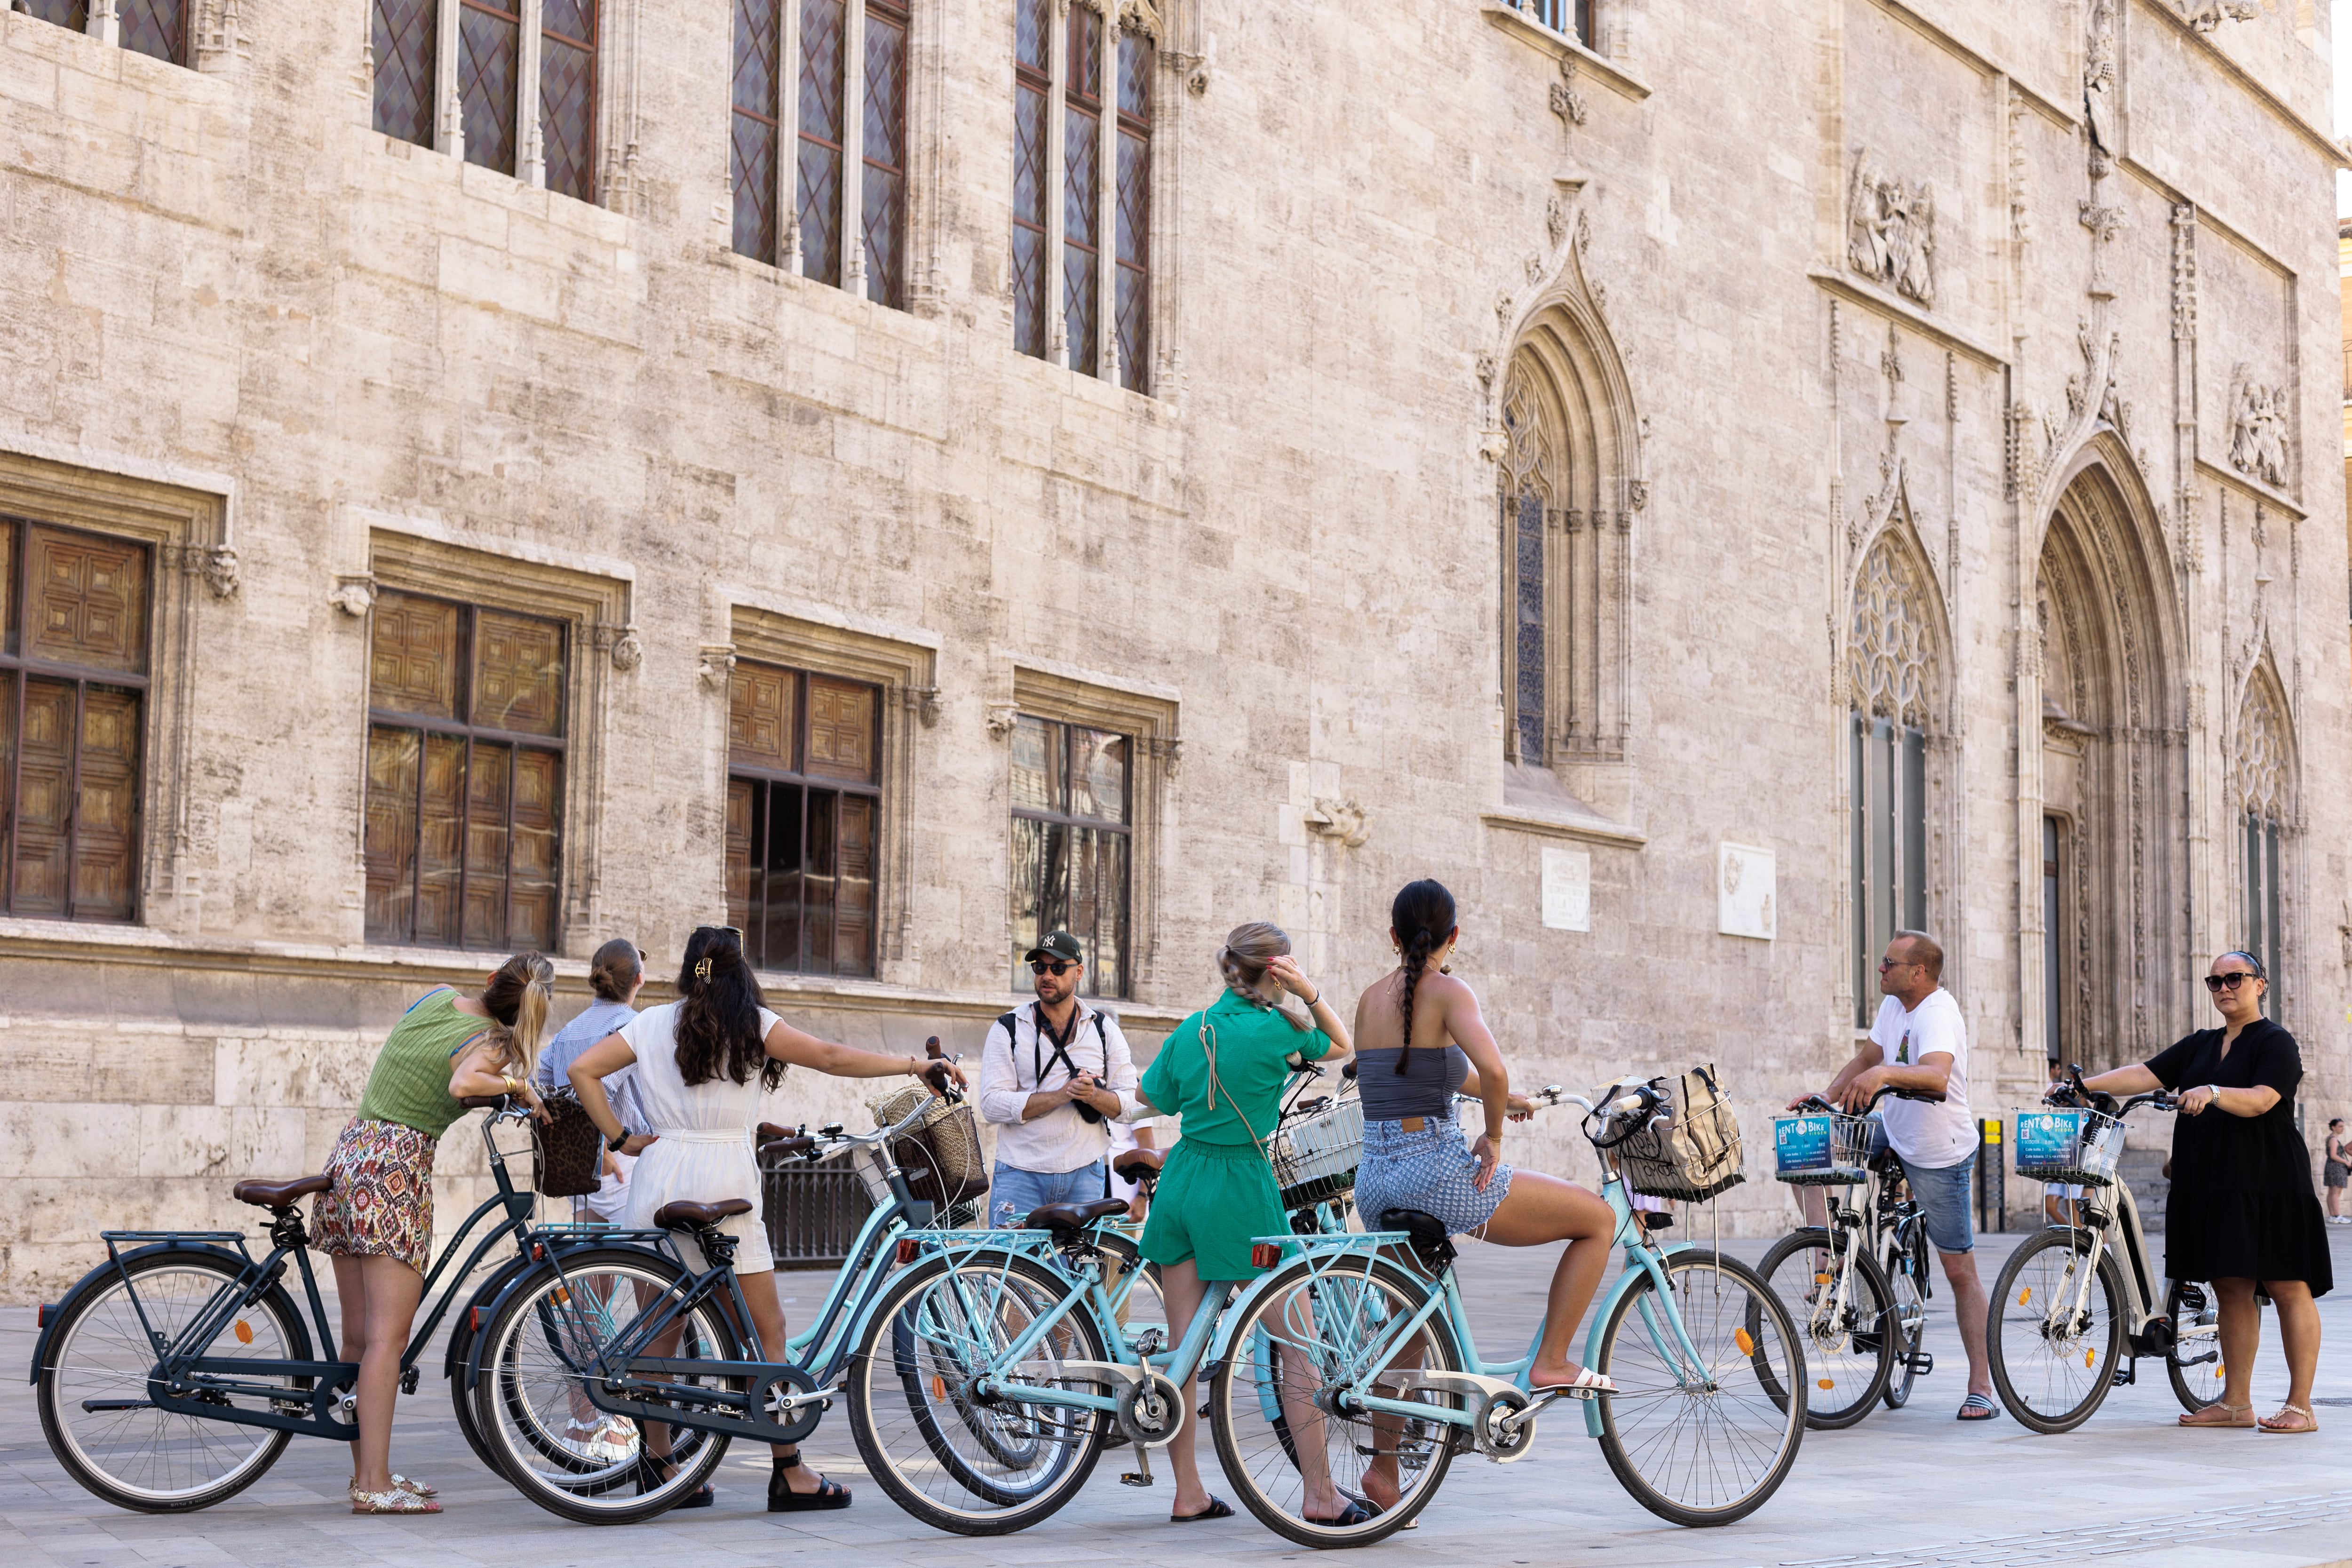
[(114, 1268), (496, 1305), (1625, 1281), (1220, 1343), (462, 1331)]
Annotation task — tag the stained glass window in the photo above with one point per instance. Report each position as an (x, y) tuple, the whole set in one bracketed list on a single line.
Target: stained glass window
[(73, 694), (405, 32), (804, 808), (1082, 190), (567, 96), (1033, 94), (1071, 838), (822, 130), (488, 45), (1132, 306), (758, 110), (465, 769), (74, 13)]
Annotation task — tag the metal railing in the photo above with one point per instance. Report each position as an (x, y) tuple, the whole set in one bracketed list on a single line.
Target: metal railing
[(813, 1212)]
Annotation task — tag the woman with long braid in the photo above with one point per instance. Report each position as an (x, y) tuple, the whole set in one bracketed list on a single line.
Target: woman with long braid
[(1420, 1040)]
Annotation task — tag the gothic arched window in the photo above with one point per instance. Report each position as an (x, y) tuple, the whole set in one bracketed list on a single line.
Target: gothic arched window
[(1890, 672), (1527, 484), (2262, 773)]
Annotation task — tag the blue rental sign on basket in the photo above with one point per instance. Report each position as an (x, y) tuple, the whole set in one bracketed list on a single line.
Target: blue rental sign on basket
[(2047, 1137), (1801, 1142)]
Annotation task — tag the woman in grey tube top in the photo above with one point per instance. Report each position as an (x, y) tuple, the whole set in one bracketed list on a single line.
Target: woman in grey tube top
[(1414, 1156)]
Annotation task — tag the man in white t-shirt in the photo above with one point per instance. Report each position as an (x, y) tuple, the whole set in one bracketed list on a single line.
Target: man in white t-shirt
[(1920, 1042)]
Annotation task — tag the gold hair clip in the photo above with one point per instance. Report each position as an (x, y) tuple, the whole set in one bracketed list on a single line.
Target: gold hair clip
[(702, 969)]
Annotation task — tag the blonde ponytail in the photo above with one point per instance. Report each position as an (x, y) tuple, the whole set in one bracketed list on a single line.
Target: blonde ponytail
[(1249, 949), (519, 996)]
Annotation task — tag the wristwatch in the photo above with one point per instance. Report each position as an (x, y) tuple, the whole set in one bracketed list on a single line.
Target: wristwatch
[(613, 1144)]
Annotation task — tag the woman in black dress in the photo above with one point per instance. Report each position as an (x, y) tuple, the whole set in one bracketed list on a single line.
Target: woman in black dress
[(2241, 1209)]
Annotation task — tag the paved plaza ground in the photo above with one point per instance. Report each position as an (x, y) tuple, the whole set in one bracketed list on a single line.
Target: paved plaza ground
[(1912, 1486)]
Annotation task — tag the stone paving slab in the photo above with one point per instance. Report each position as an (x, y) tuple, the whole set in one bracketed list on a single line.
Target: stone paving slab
[(1909, 1489)]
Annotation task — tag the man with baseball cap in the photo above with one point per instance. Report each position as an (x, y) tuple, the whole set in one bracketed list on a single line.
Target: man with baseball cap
[(1054, 1075)]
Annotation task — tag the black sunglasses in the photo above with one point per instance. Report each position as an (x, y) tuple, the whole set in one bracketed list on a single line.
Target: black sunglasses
[(1050, 966), (2233, 980)]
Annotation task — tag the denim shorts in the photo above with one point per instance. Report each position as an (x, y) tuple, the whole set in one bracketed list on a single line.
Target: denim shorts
[(1012, 1194), (1431, 1169), (1945, 1196)]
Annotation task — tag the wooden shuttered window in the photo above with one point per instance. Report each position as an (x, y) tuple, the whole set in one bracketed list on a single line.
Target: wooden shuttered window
[(405, 36), (803, 816), (464, 791), (73, 696), (753, 125), (1072, 832)]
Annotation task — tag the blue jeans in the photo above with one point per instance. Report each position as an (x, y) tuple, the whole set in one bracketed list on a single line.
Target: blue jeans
[(1012, 1194), (1946, 1200)]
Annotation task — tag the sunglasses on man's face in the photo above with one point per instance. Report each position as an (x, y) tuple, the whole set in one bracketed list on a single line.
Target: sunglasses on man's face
[(1050, 966), (2233, 980)]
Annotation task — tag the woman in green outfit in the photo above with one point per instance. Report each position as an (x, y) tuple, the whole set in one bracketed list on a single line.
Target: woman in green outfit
[(1223, 1070)]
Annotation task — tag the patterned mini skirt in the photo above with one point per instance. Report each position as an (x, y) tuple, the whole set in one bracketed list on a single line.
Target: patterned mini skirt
[(1431, 1170), (382, 1202)]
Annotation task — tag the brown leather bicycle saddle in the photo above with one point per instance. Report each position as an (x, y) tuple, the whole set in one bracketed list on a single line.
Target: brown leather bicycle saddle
[(1070, 1216), (1137, 1164), (278, 1195), (684, 1216)]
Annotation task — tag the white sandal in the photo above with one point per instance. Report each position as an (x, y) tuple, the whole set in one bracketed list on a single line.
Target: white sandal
[(394, 1501), (399, 1484), (1583, 1385)]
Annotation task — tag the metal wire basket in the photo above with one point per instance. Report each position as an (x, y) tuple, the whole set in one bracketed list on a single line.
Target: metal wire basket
[(1849, 1153), (2086, 1158), (1316, 1155)]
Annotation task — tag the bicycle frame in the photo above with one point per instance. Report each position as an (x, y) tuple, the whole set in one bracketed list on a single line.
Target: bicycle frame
[(2116, 1229), (181, 1379)]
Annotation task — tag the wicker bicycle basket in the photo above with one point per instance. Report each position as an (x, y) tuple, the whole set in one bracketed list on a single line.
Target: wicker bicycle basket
[(940, 1155)]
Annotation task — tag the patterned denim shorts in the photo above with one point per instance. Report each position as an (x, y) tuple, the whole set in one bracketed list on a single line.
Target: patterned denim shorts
[(1430, 1170)]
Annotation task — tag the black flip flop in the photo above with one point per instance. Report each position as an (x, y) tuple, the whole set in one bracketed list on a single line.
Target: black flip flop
[(1354, 1515), (1977, 1407), (1216, 1510)]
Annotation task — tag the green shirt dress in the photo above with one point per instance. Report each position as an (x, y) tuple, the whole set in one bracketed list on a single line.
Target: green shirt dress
[(1216, 1190)]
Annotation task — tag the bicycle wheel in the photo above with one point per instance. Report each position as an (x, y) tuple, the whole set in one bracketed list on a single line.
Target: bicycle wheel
[(956, 1461), (1287, 1349), (2193, 1364), (539, 1357), (2053, 1375), (1703, 1442), (1849, 1352), (93, 1394), (1906, 1281), (462, 1334)]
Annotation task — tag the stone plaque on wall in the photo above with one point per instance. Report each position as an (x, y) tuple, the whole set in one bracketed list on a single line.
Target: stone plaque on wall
[(1567, 889), (1744, 892)]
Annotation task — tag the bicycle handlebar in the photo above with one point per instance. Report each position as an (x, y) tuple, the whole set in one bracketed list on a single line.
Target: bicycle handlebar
[(1821, 1102)]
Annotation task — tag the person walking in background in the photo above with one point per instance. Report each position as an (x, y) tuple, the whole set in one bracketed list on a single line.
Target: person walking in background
[(2241, 1212), (2339, 1169), (704, 1064), (1920, 1042), (375, 1219), (615, 974), (1223, 1069), (1053, 1075)]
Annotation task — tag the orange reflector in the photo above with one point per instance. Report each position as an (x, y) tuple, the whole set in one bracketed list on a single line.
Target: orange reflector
[(1820, 1279), (562, 1297), (244, 1332), (909, 1250), (1829, 1382), (1747, 1341), (2025, 1297), (938, 1388), (2220, 1372), (2090, 1356), (1264, 1254)]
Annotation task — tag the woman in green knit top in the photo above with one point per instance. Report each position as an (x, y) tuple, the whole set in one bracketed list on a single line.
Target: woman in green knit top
[(1224, 1069), (376, 1220)]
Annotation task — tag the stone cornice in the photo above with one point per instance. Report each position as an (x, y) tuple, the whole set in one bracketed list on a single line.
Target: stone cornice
[(1560, 46), (1870, 296), (1562, 824)]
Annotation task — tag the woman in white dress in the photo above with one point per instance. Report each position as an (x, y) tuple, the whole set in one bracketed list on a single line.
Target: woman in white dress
[(705, 1064)]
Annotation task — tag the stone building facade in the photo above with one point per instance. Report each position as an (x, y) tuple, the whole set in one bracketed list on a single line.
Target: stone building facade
[(1711, 484)]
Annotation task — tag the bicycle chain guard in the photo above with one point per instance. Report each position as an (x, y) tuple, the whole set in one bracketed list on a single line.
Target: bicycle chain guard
[(794, 1424), (1150, 1410), (1506, 1428)]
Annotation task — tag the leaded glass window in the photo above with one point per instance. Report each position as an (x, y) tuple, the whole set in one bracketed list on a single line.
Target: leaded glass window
[(823, 134), (1072, 827), (882, 188), (803, 813), (2262, 789), (74, 13), (465, 774), (1082, 190), (567, 96), (753, 134), (1527, 486), (1889, 672), (1033, 93), (405, 35), (156, 27), (1132, 306), (489, 35)]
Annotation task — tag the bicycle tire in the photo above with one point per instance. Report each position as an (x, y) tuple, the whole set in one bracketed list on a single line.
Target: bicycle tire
[(944, 1318), (2186, 1364), (2028, 1363), (1906, 1282), (1664, 1411), (1268, 1476), (1850, 1361), (97, 1324), (536, 1339), (462, 1334)]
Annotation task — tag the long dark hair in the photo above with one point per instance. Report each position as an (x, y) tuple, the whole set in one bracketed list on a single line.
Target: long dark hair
[(1422, 917), (719, 1002)]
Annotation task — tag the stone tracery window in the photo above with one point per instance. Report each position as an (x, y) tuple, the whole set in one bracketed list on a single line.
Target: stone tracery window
[(2263, 814), (1890, 676), (1528, 464)]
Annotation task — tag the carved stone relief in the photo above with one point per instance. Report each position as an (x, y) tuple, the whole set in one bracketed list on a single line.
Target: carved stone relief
[(1565, 101), (1891, 230), (2258, 428), (2099, 77), (2204, 16)]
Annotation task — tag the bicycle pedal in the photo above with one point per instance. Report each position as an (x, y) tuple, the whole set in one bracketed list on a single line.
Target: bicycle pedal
[(1922, 1362), (1130, 1478)]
